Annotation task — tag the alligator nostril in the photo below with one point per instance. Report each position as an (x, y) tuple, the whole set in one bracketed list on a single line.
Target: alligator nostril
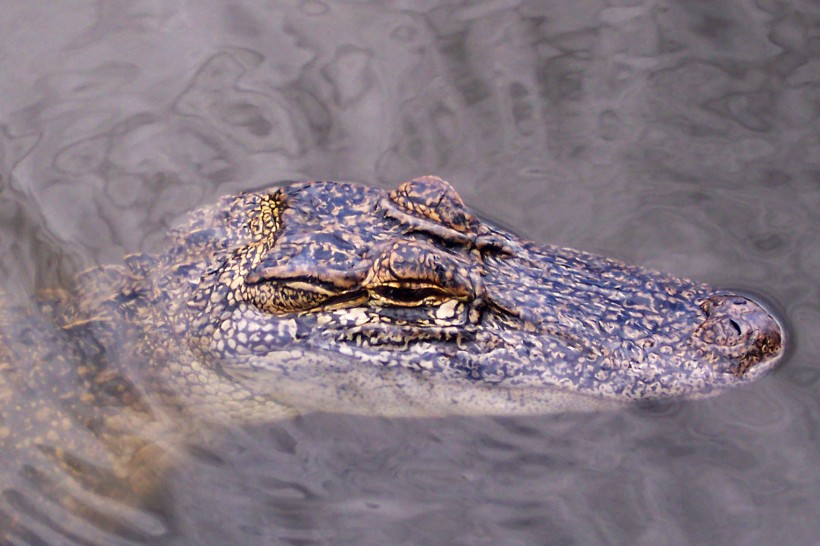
[(742, 332)]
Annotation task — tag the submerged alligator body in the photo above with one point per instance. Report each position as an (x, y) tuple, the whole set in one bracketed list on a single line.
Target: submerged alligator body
[(328, 296)]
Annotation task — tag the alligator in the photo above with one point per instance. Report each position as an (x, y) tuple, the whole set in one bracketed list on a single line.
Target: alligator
[(336, 297)]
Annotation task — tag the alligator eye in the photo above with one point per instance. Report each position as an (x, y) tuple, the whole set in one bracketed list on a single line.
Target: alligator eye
[(294, 297), (278, 298), (409, 296)]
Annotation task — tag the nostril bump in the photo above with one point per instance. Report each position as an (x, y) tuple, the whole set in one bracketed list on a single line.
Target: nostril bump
[(740, 333)]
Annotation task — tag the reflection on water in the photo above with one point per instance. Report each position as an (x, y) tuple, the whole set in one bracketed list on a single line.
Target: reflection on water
[(677, 135)]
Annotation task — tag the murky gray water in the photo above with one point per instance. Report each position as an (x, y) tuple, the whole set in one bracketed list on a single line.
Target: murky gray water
[(677, 135)]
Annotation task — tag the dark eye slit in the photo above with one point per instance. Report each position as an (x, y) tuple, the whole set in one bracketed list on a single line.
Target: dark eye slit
[(407, 294), (325, 285), (343, 298), (315, 282)]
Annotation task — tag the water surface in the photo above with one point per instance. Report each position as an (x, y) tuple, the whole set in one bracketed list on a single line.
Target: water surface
[(681, 136)]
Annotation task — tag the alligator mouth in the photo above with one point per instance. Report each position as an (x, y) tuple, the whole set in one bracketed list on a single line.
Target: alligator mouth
[(399, 327), (400, 336)]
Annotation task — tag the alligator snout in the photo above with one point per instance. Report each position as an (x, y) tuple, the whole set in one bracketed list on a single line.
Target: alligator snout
[(741, 329)]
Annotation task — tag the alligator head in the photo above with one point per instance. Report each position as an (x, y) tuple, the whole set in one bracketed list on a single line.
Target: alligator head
[(338, 296)]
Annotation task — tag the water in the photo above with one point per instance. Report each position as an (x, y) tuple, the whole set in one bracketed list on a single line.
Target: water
[(677, 135)]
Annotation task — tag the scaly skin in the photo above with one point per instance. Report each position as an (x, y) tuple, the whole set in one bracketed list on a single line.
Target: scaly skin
[(325, 296)]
